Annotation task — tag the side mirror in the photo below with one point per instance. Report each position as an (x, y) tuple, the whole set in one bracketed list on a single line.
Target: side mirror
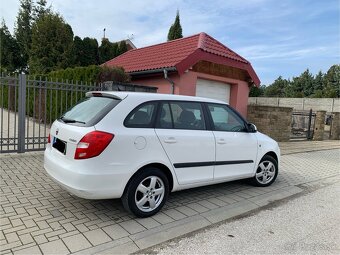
[(251, 128)]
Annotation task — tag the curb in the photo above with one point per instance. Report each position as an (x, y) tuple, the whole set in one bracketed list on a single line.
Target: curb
[(158, 235)]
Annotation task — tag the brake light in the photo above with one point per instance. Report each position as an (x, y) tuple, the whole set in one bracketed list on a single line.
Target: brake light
[(49, 138), (92, 144)]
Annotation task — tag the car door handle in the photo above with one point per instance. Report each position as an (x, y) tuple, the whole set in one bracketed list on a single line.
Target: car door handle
[(221, 141), (170, 140)]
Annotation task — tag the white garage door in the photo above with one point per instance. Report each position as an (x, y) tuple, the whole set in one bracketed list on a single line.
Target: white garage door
[(213, 89)]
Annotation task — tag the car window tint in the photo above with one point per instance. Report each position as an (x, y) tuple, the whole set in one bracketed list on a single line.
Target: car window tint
[(224, 119), (89, 109), (165, 118), (187, 115), (142, 116)]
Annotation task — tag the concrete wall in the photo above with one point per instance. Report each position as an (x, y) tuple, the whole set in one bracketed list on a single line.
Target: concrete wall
[(272, 121), (317, 104), (185, 84)]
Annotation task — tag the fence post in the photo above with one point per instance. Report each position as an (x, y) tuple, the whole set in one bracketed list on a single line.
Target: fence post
[(21, 113)]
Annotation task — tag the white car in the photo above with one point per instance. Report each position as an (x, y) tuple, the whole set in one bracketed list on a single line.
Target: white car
[(141, 146)]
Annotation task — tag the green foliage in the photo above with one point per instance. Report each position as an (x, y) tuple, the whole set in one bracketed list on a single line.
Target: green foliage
[(257, 91), (332, 82), (51, 46), (113, 74), (10, 59), (90, 74), (122, 48), (306, 85), (40, 9), (107, 50), (23, 31), (277, 88), (175, 31)]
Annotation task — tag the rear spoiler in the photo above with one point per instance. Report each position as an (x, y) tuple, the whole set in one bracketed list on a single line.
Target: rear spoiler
[(118, 95)]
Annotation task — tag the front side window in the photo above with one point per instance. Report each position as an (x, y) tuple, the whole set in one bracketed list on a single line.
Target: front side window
[(181, 115), (224, 119), (142, 116)]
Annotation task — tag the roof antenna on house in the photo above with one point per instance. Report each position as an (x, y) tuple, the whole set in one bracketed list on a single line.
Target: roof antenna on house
[(130, 37), (104, 32)]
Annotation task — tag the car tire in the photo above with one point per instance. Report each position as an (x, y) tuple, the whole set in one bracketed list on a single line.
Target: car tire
[(266, 172), (146, 193)]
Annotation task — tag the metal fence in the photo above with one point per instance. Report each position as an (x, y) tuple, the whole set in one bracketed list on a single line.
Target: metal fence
[(29, 107), (303, 123)]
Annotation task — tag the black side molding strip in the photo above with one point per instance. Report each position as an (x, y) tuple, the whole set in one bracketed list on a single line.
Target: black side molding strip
[(212, 163)]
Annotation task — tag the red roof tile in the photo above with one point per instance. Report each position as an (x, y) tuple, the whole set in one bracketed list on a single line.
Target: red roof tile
[(174, 54)]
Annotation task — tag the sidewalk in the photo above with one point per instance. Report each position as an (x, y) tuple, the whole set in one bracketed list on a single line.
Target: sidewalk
[(308, 146), (38, 217)]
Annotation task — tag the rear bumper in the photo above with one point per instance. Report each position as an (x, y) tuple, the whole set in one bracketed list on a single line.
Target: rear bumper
[(85, 178)]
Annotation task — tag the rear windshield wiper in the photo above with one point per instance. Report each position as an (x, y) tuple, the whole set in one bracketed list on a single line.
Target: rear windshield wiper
[(66, 120)]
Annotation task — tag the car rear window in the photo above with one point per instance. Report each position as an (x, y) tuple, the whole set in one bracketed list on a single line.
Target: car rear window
[(89, 111)]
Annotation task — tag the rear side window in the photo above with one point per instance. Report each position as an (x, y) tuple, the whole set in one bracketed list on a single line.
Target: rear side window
[(181, 115), (142, 116), (89, 111)]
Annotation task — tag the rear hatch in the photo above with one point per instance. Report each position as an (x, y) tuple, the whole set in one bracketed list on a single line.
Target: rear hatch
[(68, 130)]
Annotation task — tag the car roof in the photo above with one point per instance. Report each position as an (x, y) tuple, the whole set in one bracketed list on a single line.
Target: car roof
[(153, 96)]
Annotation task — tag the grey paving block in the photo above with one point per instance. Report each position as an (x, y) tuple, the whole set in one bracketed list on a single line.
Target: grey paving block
[(54, 247), (34, 250), (76, 242), (115, 231), (148, 222), (132, 226), (97, 236)]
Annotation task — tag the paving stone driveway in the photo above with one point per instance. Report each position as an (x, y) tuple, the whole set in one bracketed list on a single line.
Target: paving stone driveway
[(37, 216)]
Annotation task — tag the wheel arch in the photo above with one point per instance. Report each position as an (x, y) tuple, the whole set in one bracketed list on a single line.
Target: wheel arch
[(272, 154), (159, 166)]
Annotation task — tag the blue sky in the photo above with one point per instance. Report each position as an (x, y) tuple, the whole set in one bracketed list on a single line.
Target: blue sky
[(277, 37)]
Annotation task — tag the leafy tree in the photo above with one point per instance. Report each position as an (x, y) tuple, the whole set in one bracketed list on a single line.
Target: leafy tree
[(175, 31), (23, 30), (77, 51), (257, 91), (307, 79), (40, 9), (318, 85), (122, 47), (90, 52), (51, 44), (9, 50), (332, 82), (277, 88), (113, 74), (107, 50)]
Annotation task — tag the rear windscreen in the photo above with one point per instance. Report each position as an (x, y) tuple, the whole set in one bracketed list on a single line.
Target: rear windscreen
[(89, 111)]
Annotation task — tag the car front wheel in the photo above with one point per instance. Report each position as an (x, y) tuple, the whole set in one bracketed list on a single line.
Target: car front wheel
[(146, 193), (266, 172)]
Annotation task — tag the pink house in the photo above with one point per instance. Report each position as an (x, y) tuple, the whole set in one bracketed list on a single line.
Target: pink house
[(196, 65)]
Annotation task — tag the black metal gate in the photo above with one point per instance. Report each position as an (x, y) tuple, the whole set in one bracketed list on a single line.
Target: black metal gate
[(303, 123)]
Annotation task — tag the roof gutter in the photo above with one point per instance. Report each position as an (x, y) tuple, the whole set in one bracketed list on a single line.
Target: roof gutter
[(159, 70)]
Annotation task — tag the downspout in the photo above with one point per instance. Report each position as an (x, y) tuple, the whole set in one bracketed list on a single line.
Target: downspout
[(169, 80)]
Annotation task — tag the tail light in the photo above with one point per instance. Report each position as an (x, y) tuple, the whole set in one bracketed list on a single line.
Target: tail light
[(92, 144), (49, 138)]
